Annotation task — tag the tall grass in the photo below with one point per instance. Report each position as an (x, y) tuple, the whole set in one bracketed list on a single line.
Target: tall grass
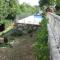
[(41, 46)]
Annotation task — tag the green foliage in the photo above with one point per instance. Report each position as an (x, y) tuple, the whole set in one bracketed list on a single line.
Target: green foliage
[(13, 6), (54, 2), (58, 2), (44, 3), (41, 47), (57, 7), (6, 22), (13, 9), (3, 9), (48, 2), (10, 8), (25, 8)]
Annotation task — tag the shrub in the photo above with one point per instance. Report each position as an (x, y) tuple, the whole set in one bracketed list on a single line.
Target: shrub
[(41, 47), (57, 7)]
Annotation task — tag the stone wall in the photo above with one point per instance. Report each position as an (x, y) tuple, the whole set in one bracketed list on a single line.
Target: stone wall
[(54, 36)]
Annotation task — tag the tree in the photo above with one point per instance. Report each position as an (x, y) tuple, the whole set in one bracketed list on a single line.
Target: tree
[(10, 8), (25, 8), (58, 2), (13, 9), (44, 3), (3, 9)]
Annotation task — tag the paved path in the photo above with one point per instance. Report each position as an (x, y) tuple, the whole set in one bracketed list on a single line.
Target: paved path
[(22, 49)]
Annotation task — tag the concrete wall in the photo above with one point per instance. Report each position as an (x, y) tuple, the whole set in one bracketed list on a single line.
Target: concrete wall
[(54, 36)]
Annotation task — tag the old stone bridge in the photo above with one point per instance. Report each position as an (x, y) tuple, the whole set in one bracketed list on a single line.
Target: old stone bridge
[(54, 36)]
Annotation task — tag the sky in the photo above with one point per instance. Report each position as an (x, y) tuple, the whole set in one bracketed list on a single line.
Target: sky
[(30, 2)]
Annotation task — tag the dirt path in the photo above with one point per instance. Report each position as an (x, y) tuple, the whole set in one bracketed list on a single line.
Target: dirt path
[(22, 49)]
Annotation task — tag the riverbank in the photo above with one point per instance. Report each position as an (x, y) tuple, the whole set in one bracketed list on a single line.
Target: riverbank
[(41, 45), (21, 49)]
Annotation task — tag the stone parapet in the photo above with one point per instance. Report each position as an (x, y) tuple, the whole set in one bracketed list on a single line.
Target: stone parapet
[(54, 36)]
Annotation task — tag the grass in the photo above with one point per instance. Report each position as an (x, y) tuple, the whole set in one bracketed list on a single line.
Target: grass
[(41, 46)]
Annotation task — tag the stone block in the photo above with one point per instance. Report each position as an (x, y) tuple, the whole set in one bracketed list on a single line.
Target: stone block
[(1, 40)]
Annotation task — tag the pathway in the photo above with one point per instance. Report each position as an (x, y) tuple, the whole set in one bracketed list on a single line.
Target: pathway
[(22, 49)]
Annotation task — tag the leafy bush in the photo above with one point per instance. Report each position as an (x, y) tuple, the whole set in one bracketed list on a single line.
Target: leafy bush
[(57, 7), (41, 47)]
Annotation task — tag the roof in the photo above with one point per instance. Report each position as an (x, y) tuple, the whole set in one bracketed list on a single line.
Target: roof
[(30, 20)]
